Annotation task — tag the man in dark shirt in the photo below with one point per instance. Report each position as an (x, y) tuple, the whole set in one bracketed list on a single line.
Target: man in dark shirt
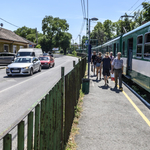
[(106, 61), (93, 60)]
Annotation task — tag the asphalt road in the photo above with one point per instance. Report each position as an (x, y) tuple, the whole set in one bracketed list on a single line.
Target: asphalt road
[(19, 93)]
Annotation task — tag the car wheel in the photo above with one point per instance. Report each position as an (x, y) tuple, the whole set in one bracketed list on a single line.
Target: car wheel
[(31, 72), (53, 64), (9, 75), (39, 69), (49, 66)]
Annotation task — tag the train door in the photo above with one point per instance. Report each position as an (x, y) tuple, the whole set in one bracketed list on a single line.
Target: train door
[(115, 50), (130, 54)]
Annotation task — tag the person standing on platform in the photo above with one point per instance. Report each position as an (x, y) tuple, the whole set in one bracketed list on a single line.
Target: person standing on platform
[(117, 66), (98, 64), (93, 60), (111, 57), (106, 61)]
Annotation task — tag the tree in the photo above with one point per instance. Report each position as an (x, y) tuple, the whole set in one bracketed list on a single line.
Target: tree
[(52, 29), (108, 29), (65, 41), (146, 12), (28, 33), (99, 33)]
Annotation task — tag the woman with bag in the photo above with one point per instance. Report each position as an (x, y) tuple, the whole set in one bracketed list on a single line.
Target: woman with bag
[(98, 61)]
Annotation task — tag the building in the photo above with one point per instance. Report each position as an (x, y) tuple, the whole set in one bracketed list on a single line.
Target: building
[(11, 42)]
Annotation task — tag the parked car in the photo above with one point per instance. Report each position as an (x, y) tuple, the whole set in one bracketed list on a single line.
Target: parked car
[(7, 58), (24, 66), (47, 61), (34, 52)]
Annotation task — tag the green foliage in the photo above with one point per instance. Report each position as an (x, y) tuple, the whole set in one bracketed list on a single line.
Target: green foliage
[(38, 46), (28, 33), (146, 13), (107, 30), (74, 53), (65, 41)]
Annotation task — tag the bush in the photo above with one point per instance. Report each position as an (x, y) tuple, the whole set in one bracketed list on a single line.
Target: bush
[(74, 53), (38, 46)]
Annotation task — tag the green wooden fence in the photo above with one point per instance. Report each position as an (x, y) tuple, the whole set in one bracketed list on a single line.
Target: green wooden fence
[(49, 123)]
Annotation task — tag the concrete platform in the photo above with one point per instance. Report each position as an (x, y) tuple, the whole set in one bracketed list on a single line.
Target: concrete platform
[(113, 120)]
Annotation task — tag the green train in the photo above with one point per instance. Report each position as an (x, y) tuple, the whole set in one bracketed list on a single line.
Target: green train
[(135, 49)]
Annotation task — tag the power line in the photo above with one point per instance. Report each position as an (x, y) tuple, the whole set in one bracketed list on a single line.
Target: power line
[(10, 23), (133, 6), (136, 8), (84, 9), (84, 16)]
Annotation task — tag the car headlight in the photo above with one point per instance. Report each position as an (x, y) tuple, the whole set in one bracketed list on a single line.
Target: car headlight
[(26, 68)]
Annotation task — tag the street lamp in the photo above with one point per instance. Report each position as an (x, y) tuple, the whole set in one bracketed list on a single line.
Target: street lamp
[(89, 48)]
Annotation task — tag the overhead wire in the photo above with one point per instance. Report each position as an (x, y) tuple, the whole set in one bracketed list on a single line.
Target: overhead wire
[(10, 23), (136, 8), (84, 16)]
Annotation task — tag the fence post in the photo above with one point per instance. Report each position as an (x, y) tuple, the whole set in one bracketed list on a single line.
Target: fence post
[(7, 142), (37, 128), (51, 141), (42, 124), (30, 131), (74, 63), (20, 141), (62, 106)]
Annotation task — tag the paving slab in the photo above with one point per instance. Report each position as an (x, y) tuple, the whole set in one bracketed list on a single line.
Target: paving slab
[(110, 122)]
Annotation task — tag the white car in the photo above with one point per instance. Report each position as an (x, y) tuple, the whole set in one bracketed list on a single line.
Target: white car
[(24, 66)]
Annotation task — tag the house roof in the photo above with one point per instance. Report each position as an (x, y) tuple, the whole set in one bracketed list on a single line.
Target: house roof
[(30, 42), (11, 36)]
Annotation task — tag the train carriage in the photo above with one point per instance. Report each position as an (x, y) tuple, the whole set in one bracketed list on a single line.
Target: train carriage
[(136, 55), (135, 49)]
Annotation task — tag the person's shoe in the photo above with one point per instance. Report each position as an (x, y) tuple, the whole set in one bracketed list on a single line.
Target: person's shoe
[(120, 88), (115, 87)]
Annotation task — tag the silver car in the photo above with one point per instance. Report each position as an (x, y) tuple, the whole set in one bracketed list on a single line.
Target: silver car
[(24, 66)]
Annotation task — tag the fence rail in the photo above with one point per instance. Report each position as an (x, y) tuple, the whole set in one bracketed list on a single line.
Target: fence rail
[(49, 122)]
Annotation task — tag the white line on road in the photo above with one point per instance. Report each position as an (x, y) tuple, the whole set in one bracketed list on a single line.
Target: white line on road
[(28, 79)]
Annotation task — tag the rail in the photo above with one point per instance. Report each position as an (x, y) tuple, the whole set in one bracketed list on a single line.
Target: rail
[(49, 122)]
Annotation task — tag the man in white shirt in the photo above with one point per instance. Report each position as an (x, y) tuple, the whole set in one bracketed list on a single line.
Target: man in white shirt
[(117, 66)]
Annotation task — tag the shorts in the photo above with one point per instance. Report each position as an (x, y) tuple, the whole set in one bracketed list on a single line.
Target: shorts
[(106, 72), (98, 64)]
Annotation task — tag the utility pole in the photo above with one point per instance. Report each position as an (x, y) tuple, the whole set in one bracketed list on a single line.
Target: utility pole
[(36, 36), (80, 42)]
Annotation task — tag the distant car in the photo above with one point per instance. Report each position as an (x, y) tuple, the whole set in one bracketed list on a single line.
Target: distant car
[(7, 58), (45, 54), (47, 61), (24, 66)]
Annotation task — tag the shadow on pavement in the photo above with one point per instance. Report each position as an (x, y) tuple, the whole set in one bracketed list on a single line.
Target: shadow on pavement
[(115, 90), (104, 87)]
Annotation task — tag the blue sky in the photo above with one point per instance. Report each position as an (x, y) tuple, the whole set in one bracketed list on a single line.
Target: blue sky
[(30, 13)]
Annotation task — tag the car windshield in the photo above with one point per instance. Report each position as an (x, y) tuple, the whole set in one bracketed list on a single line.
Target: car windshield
[(23, 60), (25, 54), (44, 58)]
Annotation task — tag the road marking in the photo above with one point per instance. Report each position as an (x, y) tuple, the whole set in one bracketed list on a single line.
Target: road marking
[(137, 109), (30, 78)]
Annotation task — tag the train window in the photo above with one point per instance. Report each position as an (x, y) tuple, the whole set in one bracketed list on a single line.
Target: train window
[(140, 40), (147, 46), (147, 38), (123, 50), (139, 46), (147, 50)]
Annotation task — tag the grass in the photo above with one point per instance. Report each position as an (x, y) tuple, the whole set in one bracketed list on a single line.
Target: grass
[(71, 145)]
